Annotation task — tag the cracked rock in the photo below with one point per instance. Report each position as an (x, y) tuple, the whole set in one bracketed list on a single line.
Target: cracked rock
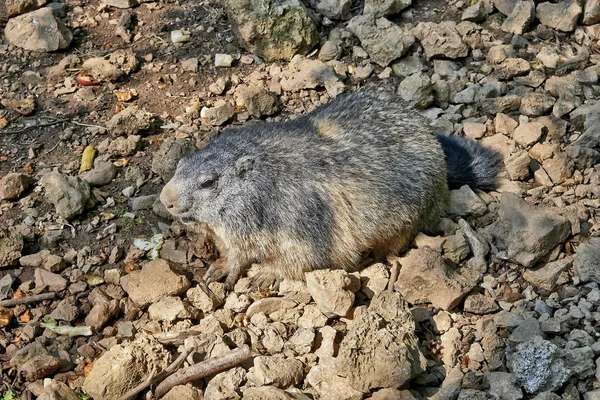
[(441, 40), (381, 38), (380, 348), (153, 282), (426, 278)]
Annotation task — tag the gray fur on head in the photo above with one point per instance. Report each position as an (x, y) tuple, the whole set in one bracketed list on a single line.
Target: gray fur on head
[(362, 173)]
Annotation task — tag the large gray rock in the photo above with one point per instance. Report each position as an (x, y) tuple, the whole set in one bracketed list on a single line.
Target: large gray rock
[(272, 30), (537, 366), (503, 386), (506, 7), (125, 366), (102, 173), (441, 40), (417, 90), (69, 194), (382, 8), (381, 38), (334, 9), (520, 18), (38, 30), (165, 159), (525, 233), (585, 151), (380, 348), (426, 278), (561, 16), (587, 261), (591, 12)]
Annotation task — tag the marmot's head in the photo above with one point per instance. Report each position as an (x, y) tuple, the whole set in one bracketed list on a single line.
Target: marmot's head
[(209, 185)]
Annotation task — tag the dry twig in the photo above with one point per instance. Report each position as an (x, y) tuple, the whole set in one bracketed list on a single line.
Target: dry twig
[(27, 300), (204, 368), (40, 125)]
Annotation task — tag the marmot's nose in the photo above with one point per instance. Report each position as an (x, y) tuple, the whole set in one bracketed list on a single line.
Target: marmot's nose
[(170, 198)]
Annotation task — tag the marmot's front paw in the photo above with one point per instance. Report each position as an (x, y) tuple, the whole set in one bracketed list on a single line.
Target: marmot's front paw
[(214, 274), (265, 281)]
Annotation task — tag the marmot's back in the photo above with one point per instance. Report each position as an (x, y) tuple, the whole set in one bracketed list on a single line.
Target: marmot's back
[(362, 173)]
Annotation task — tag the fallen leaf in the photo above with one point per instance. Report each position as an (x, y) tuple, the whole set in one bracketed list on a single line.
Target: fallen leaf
[(124, 95), (86, 79), (24, 107), (25, 318), (87, 159), (3, 122), (18, 294), (87, 369), (122, 162)]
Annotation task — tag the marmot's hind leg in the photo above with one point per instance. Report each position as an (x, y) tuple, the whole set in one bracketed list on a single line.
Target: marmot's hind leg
[(393, 246)]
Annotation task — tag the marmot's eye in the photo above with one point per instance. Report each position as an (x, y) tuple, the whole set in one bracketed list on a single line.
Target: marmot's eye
[(208, 183)]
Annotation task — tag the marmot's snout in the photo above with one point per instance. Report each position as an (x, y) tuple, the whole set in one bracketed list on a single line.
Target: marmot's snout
[(171, 198)]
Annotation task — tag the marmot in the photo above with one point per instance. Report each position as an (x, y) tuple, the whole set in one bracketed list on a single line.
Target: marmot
[(360, 175)]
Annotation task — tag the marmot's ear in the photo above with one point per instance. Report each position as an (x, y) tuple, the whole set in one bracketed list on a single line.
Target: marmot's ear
[(244, 165)]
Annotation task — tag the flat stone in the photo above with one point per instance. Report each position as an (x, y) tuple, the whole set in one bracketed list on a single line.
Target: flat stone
[(276, 371), (54, 282), (170, 309), (426, 278), (546, 276), (153, 282), (133, 120), (35, 362), (480, 304)]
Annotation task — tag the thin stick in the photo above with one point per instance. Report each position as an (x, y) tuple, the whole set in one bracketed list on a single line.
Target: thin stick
[(27, 300), (58, 121), (87, 125), (153, 377), (52, 149), (204, 368)]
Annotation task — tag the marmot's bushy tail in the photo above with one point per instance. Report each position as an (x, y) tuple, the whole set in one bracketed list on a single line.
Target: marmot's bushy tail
[(469, 163)]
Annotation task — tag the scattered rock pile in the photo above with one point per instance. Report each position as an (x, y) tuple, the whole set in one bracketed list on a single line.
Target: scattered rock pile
[(99, 288)]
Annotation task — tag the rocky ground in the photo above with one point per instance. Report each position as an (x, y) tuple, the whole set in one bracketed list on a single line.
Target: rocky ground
[(100, 290)]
